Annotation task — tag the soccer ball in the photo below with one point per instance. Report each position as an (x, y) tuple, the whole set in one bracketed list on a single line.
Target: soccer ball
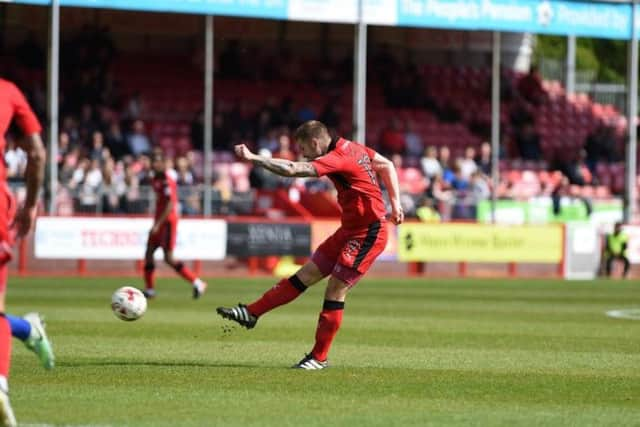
[(128, 303)]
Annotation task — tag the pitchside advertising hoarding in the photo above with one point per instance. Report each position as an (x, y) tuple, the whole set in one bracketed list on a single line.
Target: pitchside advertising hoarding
[(120, 238), (589, 19), (479, 243), (266, 238)]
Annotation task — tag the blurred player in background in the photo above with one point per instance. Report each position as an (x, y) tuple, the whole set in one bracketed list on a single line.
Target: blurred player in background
[(164, 231), (14, 105), (351, 250)]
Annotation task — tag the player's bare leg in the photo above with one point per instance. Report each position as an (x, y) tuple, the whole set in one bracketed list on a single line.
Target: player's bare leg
[(149, 272), (285, 291), (7, 419), (198, 285), (328, 325)]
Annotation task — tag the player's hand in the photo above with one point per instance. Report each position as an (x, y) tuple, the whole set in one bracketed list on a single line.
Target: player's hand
[(243, 152), (397, 215), (25, 219), (155, 228)]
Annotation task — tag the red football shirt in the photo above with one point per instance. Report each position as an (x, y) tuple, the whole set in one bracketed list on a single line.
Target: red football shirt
[(166, 191), (348, 165), (13, 104)]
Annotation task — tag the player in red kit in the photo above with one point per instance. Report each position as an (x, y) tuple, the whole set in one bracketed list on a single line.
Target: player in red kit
[(164, 231), (13, 105), (347, 254)]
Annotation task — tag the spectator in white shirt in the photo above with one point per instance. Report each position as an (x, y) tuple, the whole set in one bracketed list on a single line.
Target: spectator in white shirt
[(429, 163)]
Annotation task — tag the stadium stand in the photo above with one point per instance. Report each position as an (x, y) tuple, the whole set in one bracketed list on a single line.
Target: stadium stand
[(125, 106)]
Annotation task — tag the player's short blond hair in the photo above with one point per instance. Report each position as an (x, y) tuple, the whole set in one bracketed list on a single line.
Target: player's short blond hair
[(309, 130)]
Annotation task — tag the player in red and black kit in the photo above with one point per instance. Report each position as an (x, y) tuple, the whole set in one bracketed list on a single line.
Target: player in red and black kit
[(13, 105), (164, 231), (347, 254)]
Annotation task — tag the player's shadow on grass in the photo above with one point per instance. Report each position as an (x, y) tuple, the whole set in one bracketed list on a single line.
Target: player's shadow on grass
[(173, 364)]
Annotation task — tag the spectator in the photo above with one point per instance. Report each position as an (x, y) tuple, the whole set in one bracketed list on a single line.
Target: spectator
[(284, 148), (144, 170), (184, 176), (89, 185), (445, 164), (468, 164), (438, 191), (483, 160), (413, 142), (600, 146), (479, 188), (137, 140), (306, 113), (68, 166), (459, 181), (116, 142), (130, 200), (189, 200), (112, 188), (70, 127), (135, 107), (97, 146), (530, 87), (426, 211), (262, 179), (16, 160), (393, 141), (410, 179), (88, 124), (64, 145), (577, 170), (269, 141), (528, 143), (429, 162)]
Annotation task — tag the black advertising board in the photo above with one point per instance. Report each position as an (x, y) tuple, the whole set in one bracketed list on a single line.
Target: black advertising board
[(265, 238)]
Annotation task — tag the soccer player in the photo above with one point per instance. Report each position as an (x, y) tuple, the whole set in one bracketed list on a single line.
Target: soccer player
[(351, 250), (30, 330), (616, 248), (164, 230), (14, 105)]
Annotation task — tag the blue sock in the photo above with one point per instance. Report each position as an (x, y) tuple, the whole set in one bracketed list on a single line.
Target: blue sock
[(20, 328)]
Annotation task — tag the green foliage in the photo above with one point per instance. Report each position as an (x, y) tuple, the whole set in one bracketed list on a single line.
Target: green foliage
[(410, 352), (606, 58)]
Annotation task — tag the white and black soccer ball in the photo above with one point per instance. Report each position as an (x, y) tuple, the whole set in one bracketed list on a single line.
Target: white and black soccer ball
[(128, 303)]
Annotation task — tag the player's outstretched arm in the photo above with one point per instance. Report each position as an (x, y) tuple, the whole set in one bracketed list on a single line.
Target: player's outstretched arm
[(280, 167), (389, 176), (34, 176)]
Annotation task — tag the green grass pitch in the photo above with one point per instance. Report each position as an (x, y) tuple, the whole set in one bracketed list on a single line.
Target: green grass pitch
[(410, 353)]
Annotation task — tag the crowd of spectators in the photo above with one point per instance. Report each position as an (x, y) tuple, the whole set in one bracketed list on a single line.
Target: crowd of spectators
[(104, 142)]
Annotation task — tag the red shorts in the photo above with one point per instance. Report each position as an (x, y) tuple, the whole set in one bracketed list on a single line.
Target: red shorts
[(348, 253), (7, 214), (165, 238)]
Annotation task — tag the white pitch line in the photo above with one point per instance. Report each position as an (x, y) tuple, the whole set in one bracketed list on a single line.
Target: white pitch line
[(63, 425), (627, 313)]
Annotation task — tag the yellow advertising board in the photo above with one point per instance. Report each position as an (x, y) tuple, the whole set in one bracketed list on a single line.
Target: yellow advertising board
[(423, 242)]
